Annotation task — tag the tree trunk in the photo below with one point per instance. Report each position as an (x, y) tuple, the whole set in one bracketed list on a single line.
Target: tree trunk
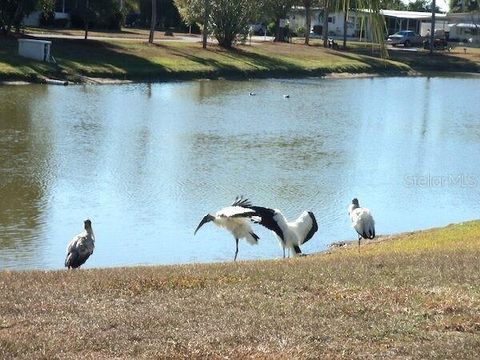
[(226, 42), (153, 21), (85, 19), (345, 18), (325, 23), (432, 31), (205, 24), (308, 24), (278, 31), (13, 20)]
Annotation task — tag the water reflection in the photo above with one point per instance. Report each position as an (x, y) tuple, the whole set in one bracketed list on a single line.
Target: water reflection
[(25, 170), (146, 161)]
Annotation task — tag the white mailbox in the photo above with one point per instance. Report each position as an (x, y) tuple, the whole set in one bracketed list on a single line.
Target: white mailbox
[(35, 49)]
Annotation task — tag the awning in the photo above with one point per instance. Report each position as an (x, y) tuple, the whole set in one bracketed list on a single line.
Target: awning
[(418, 15), (465, 25)]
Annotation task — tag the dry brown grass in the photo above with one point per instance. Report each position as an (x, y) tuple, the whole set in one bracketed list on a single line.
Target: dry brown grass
[(413, 296)]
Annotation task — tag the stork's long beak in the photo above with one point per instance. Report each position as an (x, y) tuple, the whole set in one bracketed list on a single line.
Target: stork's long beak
[(207, 218)]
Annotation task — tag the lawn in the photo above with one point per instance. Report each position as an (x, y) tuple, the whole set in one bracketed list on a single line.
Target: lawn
[(166, 60), (413, 295)]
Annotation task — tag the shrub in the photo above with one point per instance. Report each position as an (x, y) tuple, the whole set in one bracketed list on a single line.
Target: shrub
[(300, 31), (317, 29)]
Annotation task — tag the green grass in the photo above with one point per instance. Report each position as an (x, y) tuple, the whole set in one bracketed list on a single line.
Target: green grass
[(128, 59), (136, 60), (414, 295)]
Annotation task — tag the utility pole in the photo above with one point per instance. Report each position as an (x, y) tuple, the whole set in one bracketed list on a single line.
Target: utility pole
[(432, 30)]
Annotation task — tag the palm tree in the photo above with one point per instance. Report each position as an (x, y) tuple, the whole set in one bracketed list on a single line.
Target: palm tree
[(85, 19), (308, 20), (326, 4), (205, 24), (153, 21)]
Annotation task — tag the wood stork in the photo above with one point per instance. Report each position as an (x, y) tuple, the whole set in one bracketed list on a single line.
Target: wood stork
[(362, 221), (290, 234), (236, 219), (80, 247)]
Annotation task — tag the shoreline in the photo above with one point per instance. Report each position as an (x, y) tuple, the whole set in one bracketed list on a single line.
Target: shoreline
[(329, 76), (336, 246)]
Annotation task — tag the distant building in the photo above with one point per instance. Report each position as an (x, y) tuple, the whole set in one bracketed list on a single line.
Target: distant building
[(62, 11), (358, 24), (464, 27), (296, 20)]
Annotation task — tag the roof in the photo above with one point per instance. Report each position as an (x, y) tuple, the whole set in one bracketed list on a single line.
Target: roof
[(466, 25), (411, 14)]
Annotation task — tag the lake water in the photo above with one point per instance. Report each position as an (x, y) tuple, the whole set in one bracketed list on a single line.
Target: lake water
[(146, 162)]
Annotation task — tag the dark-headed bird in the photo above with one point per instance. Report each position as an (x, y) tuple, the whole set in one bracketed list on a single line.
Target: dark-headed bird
[(362, 221), (236, 219), (290, 234), (80, 247)]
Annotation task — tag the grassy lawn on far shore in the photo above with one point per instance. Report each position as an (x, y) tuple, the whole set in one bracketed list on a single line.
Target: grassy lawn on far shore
[(414, 295), (172, 60)]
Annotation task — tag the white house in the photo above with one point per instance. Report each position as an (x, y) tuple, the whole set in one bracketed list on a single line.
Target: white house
[(296, 19), (358, 24)]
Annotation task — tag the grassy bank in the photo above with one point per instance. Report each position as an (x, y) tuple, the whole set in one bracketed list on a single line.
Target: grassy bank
[(170, 60), (411, 296)]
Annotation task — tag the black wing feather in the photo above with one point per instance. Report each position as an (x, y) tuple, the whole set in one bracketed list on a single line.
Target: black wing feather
[(240, 201), (245, 214), (314, 228), (266, 220)]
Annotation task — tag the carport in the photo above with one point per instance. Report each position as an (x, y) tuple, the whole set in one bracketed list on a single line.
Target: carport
[(396, 20)]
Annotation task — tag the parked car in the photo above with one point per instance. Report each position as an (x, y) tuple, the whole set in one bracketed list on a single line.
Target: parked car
[(406, 38), (257, 29), (438, 44)]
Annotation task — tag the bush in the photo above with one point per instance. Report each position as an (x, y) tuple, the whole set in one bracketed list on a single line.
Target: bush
[(300, 31), (60, 23), (114, 21), (47, 19), (77, 22), (318, 29), (271, 28)]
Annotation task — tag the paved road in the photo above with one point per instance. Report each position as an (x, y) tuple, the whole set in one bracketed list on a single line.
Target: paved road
[(179, 37)]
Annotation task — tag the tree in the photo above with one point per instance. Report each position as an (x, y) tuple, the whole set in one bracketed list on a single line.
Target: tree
[(326, 4), (392, 5), (86, 18), (421, 5), (153, 21), (458, 6), (225, 19), (195, 11), (277, 10), (307, 4), (12, 13), (346, 7)]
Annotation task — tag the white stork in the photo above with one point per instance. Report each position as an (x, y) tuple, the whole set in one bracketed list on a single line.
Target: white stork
[(236, 219), (290, 234), (80, 247), (362, 221)]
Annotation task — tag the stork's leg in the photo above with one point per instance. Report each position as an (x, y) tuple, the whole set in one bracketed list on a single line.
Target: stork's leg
[(359, 238), (283, 247), (236, 251)]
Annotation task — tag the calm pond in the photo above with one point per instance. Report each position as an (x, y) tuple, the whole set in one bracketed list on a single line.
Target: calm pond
[(147, 162)]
